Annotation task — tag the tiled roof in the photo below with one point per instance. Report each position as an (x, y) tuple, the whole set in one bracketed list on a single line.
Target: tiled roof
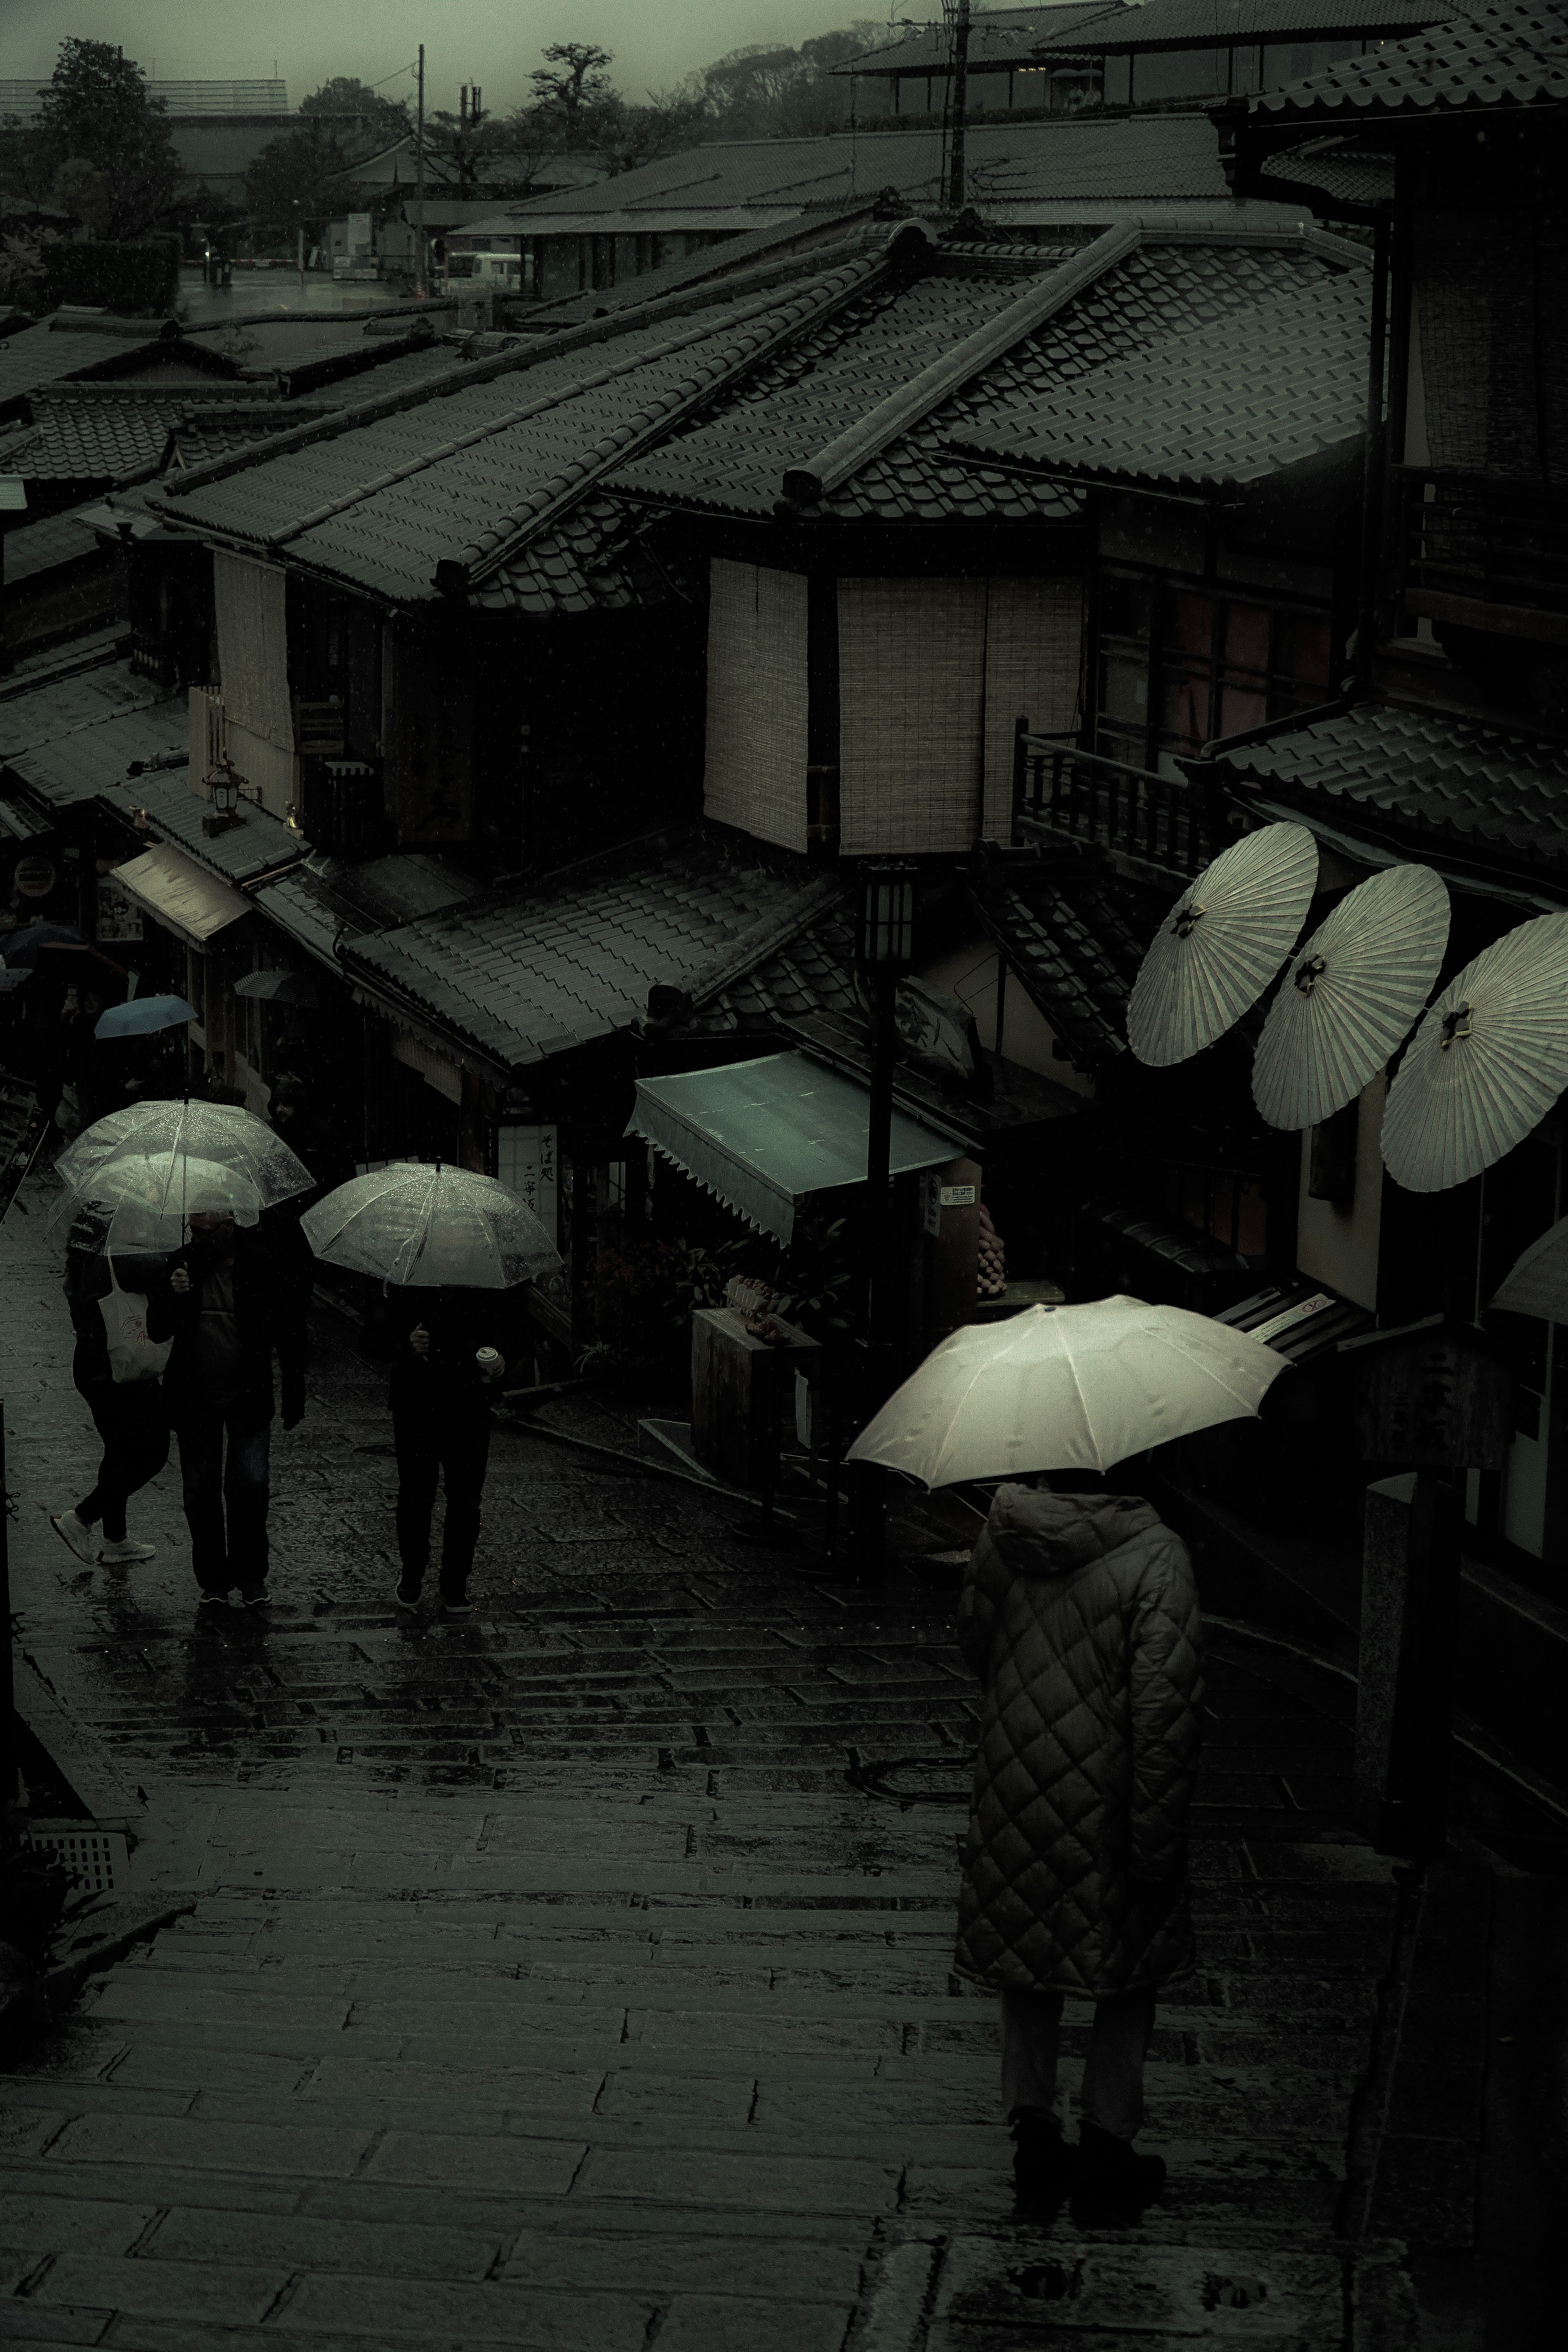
[(1426, 776), (209, 428), (1286, 381), (527, 977), (330, 900), (595, 559), (1179, 23), (1510, 53), (93, 758), (1076, 941), (40, 714), (1119, 161), (999, 37), (43, 546), (734, 462), (259, 845), (812, 973), (101, 439), (42, 354), (1344, 174), (458, 475)]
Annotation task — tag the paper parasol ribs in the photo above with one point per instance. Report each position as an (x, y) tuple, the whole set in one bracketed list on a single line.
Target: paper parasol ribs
[(1221, 943), (1488, 1062), (1350, 996)]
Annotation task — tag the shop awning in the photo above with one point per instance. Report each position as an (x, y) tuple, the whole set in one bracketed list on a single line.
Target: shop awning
[(175, 890), (767, 1135)]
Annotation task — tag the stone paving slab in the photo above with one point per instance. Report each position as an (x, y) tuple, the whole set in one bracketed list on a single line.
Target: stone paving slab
[(551, 1981)]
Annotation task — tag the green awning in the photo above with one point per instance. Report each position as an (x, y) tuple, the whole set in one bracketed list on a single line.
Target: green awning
[(766, 1135)]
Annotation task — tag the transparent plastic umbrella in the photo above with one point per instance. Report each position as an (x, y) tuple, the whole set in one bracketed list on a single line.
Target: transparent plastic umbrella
[(418, 1224), (149, 1167), (1066, 1388)]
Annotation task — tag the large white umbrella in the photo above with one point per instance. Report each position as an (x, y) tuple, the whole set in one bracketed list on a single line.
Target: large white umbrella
[(424, 1224), (1066, 1388), (1221, 943), (1487, 1064), (1350, 996)]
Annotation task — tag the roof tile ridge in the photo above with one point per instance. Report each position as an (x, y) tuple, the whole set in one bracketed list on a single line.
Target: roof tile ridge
[(837, 288), (768, 938), (871, 435), (377, 406)]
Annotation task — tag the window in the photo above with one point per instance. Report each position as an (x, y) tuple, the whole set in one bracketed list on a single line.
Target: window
[(1180, 666)]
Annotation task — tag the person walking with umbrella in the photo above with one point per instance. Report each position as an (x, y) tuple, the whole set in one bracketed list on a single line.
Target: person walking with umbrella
[(1079, 1614), (228, 1313), (446, 1244), (116, 1369)]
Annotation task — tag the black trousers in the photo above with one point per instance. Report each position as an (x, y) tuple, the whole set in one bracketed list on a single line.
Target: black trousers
[(133, 1424), (237, 1491), (429, 1447)]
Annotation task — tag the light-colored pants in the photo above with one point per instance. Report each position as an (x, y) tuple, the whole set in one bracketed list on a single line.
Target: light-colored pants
[(1112, 2072)]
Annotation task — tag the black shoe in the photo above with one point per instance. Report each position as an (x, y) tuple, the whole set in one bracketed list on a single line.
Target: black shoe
[(254, 1596), (1041, 2158), (405, 1591), (456, 1603), (1109, 2170), (213, 1601)]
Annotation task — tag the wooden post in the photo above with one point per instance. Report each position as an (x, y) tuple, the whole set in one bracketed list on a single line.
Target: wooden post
[(1410, 1581)]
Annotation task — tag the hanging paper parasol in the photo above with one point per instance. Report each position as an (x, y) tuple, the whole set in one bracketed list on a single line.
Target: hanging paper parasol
[(1538, 1283), (1352, 992), (1221, 944), (1486, 1064)]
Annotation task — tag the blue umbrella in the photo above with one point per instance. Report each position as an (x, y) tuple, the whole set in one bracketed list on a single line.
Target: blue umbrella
[(278, 988), (20, 948), (142, 1015)]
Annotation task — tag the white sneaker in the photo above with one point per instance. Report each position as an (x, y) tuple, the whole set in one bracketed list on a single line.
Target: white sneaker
[(82, 1539), (111, 1554)]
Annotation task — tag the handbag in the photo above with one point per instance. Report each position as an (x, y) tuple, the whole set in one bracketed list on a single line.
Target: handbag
[(131, 1355)]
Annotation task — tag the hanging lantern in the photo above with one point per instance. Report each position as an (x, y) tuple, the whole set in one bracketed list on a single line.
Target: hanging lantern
[(887, 940)]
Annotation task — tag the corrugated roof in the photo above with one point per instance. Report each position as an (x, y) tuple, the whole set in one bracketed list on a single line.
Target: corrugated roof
[(43, 546), (1426, 776), (1285, 382), (1069, 159), (528, 977), (382, 502), (1510, 53), (1213, 24), (734, 462), (998, 38)]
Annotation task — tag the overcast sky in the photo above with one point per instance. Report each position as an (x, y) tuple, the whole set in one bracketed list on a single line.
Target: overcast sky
[(493, 42)]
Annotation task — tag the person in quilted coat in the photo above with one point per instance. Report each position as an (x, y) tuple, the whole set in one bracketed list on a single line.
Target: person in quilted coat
[(1080, 1616)]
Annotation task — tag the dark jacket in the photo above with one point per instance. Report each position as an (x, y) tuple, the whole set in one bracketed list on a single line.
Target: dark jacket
[(1080, 1617), (446, 1379), (269, 1316)]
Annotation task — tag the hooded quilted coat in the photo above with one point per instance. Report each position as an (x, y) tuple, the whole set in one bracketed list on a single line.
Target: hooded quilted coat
[(1080, 1616)]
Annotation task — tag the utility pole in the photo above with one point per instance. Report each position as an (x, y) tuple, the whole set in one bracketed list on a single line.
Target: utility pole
[(959, 103), (421, 288)]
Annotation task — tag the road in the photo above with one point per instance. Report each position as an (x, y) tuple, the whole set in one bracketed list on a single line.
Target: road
[(550, 1983)]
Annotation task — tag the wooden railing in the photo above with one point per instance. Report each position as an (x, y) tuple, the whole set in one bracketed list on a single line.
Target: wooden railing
[(1485, 553), (1155, 826)]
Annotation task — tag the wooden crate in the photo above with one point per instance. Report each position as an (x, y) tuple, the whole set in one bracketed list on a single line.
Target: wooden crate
[(741, 1388)]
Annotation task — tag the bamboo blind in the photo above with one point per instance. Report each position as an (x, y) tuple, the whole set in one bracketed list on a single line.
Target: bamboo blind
[(911, 672), (1034, 645), (755, 776), (253, 647), (273, 771)]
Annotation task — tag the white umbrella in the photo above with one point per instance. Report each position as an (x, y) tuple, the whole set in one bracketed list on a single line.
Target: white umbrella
[(149, 1167), (1355, 988), (1066, 1388), (1537, 1283), (1486, 1064), (427, 1224), (1221, 944)]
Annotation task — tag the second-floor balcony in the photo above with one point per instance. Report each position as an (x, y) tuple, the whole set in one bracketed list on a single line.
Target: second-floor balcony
[(1482, 552), (1153, 828)]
